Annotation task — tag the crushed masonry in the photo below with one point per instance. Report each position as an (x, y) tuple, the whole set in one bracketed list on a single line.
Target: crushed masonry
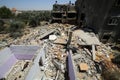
[(51, 60)]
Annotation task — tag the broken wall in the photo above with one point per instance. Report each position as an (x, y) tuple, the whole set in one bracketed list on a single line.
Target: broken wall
[(96, 14), (24, 52), (7, 60), (10, 55)]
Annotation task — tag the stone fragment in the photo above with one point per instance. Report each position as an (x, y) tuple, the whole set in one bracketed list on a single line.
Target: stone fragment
[(83, 67), (60, 41), (52, 37)]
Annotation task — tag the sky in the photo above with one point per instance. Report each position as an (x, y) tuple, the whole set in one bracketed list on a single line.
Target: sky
[(32, 4)]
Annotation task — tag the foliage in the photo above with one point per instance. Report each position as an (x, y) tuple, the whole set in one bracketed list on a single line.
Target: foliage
[(5, 12), (1, 25), (33, 22), (16, 29), (16, 26), (23, 16), (16, 34), (34, 17)]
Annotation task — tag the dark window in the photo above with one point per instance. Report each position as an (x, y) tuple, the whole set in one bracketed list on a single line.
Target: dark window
[(106, 37), (118, 41), (82, 16), (55, 8), (117, 3), (113, 21)]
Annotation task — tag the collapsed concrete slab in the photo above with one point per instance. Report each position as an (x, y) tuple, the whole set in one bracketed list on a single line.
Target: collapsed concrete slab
[(85, 38)]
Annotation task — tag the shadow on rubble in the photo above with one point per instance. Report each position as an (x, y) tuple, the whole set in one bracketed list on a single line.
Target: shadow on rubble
[(116, 48), (3, 79), (85, 28), (116, 61), (111, 75), (88, 29)]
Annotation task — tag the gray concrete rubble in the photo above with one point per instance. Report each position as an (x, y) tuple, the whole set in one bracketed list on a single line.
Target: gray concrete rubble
[(63, 53)]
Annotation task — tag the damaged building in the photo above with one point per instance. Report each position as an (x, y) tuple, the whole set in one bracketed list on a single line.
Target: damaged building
[(60, 51), (103, 16), (64, 13)]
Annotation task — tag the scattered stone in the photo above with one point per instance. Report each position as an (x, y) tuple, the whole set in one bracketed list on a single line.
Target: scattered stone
[(60, 41), (52, 37), (83, 67), (55, 64)]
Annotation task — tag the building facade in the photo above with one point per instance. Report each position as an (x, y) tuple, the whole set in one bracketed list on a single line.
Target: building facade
[(64, 13), (103, 16)]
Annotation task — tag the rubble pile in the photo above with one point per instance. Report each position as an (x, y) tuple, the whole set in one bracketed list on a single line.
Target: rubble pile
[(56, 63), (19, 70), (90, 57), (84, 65), (35, 36), (54, 66)]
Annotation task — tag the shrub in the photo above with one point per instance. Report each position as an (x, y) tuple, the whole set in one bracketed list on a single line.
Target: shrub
[(1, 25), (16, 29), (5, 12), (16, 26), (34, 21), (16, 34)]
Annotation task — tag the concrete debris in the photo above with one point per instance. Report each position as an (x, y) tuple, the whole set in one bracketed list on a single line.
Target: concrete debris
[(85, 38), (88, 55), (83, 67), (60, 41), (59, 65), (19, 70), (2, 44), (47, 33), (52, 37), (57, 75)]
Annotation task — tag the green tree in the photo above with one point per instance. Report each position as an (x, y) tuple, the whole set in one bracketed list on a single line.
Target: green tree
[(16, 26), (16, 29), (1, 25), (5, 12), (33, 21)]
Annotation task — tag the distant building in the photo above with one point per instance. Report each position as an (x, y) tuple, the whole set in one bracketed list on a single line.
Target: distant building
[(64, 13), (103, 16), (15, 11)]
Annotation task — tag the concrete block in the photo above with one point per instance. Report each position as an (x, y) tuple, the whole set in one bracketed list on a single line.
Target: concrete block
[(83, 67), (52, 37)]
